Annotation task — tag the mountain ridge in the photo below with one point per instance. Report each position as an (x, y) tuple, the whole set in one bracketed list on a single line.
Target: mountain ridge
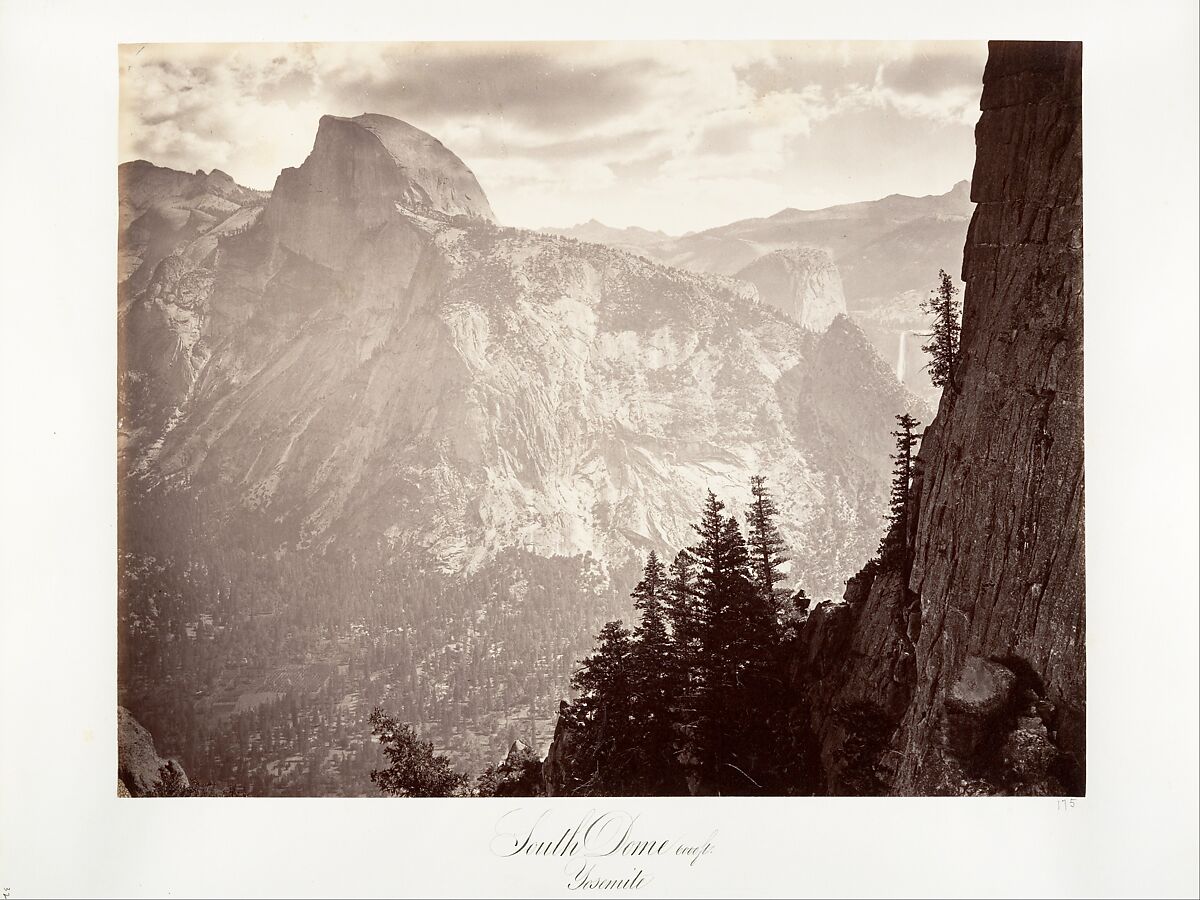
[(416, 292)]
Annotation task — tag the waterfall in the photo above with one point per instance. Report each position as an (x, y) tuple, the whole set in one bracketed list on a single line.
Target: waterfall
[(902, 357)]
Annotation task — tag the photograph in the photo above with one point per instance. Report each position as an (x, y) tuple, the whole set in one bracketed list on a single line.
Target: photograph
[(601, 419), (662, 450)]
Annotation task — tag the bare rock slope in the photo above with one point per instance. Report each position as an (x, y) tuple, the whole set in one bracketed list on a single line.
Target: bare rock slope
[(801, 282)]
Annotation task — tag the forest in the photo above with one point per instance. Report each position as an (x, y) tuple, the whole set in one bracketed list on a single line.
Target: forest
[(260, 674), (691, 699)]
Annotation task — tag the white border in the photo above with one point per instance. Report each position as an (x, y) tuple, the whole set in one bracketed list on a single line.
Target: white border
[(63, 831)]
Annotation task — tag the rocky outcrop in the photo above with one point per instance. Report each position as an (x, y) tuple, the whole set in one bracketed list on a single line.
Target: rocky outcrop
[(964, 672), (164, 212), (801, 282), (139, 767), (556, 768)]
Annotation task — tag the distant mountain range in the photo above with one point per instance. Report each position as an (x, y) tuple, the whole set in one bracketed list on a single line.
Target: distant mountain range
[(887, 253)]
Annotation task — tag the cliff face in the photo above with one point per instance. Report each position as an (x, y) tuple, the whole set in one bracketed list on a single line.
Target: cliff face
[(966, 674), (801, 282), (360, 172)]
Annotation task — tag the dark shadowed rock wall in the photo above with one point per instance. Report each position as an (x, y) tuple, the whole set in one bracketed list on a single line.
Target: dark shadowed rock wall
[(965, 674)]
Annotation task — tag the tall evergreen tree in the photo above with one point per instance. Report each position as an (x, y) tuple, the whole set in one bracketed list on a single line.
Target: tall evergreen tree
[(605, 673), (652, 649), (682, 604), (654, 683), (946, 309), (739, 631), (892, 547), (765, 544), (602, 715), (650, 599)]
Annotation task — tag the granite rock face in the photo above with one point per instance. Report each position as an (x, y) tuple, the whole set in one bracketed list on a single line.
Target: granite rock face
[(163, 212), (138, 763), (801, 282), (359, 173), (965, 674)]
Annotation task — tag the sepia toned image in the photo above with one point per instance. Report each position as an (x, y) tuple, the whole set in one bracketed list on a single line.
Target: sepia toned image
[(601, 419)]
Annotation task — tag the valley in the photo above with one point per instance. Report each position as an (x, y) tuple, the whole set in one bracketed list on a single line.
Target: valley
[(377, 449)]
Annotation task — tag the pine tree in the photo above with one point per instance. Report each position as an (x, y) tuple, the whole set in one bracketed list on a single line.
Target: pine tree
[(654, 684), (765, 545), (942, 348), (710, 553), (605, 672), (892, 547), (683, 614), (414, 770), (601, 717), (650, 599), (739, 631)]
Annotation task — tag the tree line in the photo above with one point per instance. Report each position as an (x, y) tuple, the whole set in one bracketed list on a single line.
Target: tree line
[(692, 691)]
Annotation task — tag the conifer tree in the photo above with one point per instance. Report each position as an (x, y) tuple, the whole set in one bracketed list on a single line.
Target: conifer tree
[(710, 553), (602, 715), (651, 639), (765, 545), (942, 348), (682, 607), (739, 630), (414, 770), (605, 674), (892, 547), (742, 619), (652, 650), (653, 682)]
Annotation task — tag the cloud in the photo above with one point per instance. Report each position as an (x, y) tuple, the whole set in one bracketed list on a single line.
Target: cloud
[(547, 91), (930, 71), (672, 135)]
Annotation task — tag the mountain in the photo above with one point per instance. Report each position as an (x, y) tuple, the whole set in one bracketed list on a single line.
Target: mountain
[(882, 247), (161, 211), (377, 447), (632, 239), (963, 671), (887, 254), (956, 663), (376, 362), (800, 282)]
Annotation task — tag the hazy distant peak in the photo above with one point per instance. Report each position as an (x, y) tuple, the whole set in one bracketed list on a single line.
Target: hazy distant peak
[(956, 201), (632, 237)]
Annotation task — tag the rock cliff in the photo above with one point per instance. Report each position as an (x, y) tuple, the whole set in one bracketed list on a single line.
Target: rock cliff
[(801, 282), (963, 671), (359, 173)]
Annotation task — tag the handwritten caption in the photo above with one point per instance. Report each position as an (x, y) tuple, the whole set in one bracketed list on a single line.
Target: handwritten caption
[(603, 850)]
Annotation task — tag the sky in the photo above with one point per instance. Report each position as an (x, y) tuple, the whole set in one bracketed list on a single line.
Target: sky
[(677, 136)]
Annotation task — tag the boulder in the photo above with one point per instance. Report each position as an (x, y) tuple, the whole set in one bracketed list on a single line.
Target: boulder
[(138, 762)]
